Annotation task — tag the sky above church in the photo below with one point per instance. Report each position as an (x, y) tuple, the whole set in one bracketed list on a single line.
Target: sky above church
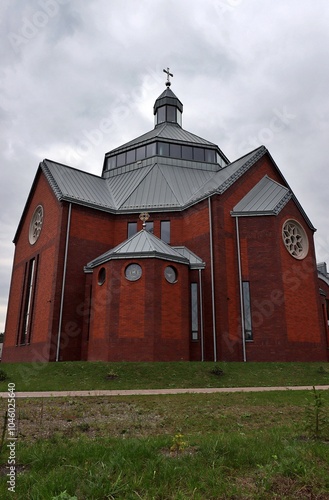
[(249, 72)]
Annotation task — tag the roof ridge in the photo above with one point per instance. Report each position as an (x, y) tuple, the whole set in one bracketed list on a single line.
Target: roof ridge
[(168, 183), (244, 167), (157, 247), (147, 171), (50, 178)]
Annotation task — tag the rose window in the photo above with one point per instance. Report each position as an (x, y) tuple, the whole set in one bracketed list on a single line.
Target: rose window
[(295, 239), (36, 225)]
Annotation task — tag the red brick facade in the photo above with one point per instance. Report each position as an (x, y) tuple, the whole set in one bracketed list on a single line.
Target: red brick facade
[(74, 317)]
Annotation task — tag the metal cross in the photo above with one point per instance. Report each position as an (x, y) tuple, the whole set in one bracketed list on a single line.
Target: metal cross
[(168, 82), (144, 216)]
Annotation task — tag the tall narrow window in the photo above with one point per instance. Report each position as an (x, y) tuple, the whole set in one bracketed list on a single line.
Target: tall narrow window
[(132, 228), (194, 312), (149, 227), (27, 303), (165, 231), (247, 310)]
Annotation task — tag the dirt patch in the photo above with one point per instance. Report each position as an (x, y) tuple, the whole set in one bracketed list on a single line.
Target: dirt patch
[(70, 417), (285, 487), (20, 469)]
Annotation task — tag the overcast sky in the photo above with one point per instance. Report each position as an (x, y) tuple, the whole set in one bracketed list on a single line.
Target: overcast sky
[(248, 72)]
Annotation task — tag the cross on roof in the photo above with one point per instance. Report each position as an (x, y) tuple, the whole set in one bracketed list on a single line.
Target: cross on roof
[(168, 82)]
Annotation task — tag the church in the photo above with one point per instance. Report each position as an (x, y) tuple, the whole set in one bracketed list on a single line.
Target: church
[(173, 253)]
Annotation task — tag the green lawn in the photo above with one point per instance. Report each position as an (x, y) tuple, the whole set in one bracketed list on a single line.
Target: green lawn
[(99, 375), (233, 446)]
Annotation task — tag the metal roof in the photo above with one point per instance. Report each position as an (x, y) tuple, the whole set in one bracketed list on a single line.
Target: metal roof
[(168, 97), (77, 186), (267, 197), (141, 245), (156, 183), (166, 184), (195, 261), (323, 273), (166, 131), (221, 180)]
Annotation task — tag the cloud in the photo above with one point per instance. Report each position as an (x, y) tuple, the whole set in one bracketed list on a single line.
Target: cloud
[(67, 65)]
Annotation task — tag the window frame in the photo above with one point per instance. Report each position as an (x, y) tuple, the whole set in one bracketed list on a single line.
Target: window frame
[(131, 229), (27, 301), (194, 297), (165, 230), (247, 313)]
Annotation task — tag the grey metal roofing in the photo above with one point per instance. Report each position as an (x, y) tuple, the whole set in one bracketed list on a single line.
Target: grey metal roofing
[(158, 183), (322, 272), (141, 245), (167, 97), (323, 277), (267, 197), (77, 186), (195, 261), (162, 184), (221, 180), (165, 131)]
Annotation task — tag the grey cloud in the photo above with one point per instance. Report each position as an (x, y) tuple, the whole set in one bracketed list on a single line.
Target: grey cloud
[(234, 64)]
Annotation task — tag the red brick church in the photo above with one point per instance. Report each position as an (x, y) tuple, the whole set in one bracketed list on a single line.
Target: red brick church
[(173, 253)]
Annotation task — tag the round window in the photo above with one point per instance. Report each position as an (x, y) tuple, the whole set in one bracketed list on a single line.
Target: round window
[(170, 274), (36, 224), (295, 239), (102, 276), (133, 272)]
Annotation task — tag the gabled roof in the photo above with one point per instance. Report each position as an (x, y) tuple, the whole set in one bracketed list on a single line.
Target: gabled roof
[(145, 245), (77, 186), (267, 197), (221, 180), (157, 183)]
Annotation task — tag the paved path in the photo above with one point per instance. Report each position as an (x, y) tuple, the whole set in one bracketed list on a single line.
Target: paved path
[(152, 392)]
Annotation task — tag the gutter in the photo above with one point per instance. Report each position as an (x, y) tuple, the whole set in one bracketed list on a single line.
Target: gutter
[(201, 315), (212, 281), (240, 289), (63, 282)]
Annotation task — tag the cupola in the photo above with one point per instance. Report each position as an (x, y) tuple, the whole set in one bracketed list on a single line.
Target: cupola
[(168, 108)]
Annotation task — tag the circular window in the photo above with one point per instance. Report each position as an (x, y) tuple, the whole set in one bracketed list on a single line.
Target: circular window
[(295, 239), (36, 224), (170, 274), (102, 276), (133, 272)]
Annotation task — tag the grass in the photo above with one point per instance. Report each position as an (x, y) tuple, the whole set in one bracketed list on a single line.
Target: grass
[(238, 446), (101, 375), (259, 445)]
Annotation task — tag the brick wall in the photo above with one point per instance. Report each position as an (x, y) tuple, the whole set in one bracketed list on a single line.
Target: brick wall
[(144, 320), (45, 249), (150, 319)]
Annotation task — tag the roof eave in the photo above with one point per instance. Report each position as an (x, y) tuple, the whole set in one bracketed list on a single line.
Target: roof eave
[(137, 255), (293, 196)]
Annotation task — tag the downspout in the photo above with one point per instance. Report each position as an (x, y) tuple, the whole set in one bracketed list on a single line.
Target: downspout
[(212, 281), (201, 315), (63, 282), (241, 291)]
